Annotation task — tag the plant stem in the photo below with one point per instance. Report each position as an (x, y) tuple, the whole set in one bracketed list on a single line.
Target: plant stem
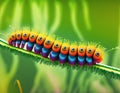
[(107, 71)]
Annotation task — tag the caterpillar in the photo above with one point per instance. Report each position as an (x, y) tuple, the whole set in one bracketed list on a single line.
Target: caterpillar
[(50, 46)]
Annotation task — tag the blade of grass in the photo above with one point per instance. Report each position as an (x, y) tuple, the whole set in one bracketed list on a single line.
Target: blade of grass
[(107, 71)]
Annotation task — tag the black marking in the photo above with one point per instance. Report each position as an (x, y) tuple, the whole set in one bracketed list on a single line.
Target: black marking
[(64, 48), (25, 35), (97, 54), (72, 49), (48, 41), (32, 36), (40, 38), (89, 51), (56, 45), (18, 35), (12, 36), (81, 49)]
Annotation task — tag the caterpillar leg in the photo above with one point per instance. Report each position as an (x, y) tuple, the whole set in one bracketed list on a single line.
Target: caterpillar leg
[(14, 43), (23, 43), (45, 52), (29, 46), (62, 58), (81, 60), (89, 61), (53, 55), (37, 48), (96, 61), (10, 43), (18, 43), (71, 59)]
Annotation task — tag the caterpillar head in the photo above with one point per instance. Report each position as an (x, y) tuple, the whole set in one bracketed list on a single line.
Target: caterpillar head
[(33, 36), (18, 35), (98, 55), (25, 35), (90, 50), (56, 46), (82, 50), (65, 48), (73, 50), (40, 39), (49, 42)]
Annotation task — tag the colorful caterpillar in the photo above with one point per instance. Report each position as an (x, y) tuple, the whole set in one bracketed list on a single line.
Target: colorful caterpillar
[(56, 49)]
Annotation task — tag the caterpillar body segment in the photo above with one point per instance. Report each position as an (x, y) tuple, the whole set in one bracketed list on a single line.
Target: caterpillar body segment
[(53, 48), (25, 37), (63, 56), (40, 39), (18, 35), (47, 46), (89, 54), (72, 57), (39, 43), (81, 54), (31, 41), (54, 54)]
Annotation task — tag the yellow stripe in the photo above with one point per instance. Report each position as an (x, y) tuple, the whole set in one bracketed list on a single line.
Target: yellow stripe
[(19, 86)]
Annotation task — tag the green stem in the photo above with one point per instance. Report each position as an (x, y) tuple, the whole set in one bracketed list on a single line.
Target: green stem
[(107, 71)]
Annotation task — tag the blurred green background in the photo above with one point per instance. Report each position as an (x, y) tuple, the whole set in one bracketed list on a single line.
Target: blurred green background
[(76, 20)]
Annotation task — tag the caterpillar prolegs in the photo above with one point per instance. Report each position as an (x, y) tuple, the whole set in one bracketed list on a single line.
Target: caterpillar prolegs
[(54, 48)]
